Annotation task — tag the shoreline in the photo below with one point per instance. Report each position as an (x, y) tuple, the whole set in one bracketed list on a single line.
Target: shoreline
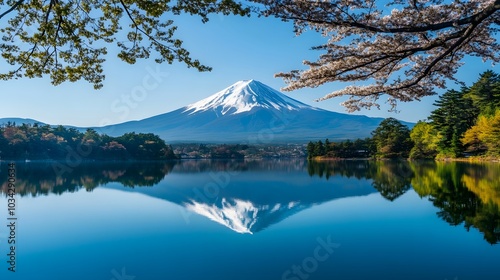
[(470, 159), (337, 159), (318, 159), (461, 159)]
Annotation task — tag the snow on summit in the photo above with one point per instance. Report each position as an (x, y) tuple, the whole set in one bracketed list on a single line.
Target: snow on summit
[(245, 110), (243, 96)]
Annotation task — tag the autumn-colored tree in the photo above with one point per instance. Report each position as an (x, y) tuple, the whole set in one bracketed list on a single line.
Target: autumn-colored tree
[(485, 135), (471, 139), (67, 40), (404, 48), (425, 139), (46, 142)]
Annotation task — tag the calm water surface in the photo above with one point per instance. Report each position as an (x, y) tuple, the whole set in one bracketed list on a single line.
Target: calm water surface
[(254, 220)]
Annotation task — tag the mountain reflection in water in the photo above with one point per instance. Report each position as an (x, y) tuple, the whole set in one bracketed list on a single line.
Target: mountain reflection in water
[(250, 196)]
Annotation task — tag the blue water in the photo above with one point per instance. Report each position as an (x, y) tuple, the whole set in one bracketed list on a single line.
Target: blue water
[(241, 220)]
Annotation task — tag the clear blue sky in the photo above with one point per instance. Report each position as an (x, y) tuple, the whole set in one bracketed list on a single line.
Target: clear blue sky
[(237, 49)]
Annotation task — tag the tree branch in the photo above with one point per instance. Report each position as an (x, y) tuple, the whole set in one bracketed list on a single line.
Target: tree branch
[(141, 30), (12, 8), (478, 17)]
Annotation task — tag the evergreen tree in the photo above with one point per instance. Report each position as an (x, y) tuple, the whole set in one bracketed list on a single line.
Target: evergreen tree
[(485, 93), (311, 150), (454, 115), (319, 149), (328, 147), (392, 139)]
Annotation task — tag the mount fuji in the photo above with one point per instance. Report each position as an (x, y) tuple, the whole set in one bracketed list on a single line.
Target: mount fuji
[(250, 112)]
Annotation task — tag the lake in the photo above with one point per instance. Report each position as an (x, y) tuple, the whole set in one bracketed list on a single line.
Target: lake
[(268, 219)]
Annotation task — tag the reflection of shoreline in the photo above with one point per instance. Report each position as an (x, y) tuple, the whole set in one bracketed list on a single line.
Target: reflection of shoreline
[(214, 165), (465, 193), (479, 178), (392, 178), (40, 178), (472, 160), (324, 158)]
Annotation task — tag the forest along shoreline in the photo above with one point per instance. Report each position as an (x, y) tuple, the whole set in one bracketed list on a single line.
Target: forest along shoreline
[(465, 126)]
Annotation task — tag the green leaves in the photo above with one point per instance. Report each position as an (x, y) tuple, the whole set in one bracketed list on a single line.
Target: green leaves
[(392, 139), (485, 135), (465, 121), (68, 40), (454, 115), (46, 142), (426, 139), (485, 93)]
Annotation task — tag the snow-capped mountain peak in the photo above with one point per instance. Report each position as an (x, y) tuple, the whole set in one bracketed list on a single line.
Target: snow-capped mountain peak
[(243, 96), (250, 111)]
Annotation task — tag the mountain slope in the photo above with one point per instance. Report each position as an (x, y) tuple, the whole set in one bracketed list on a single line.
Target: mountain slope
[(242, 97), (246, 112), (249, 111), (19, 121)]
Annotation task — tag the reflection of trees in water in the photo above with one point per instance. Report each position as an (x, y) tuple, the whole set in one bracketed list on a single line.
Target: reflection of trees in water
[(345, 168), (40, 178), (391, 178), (487, 221), (484, 181), (37, 178), (287, 165), (464, 193)]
